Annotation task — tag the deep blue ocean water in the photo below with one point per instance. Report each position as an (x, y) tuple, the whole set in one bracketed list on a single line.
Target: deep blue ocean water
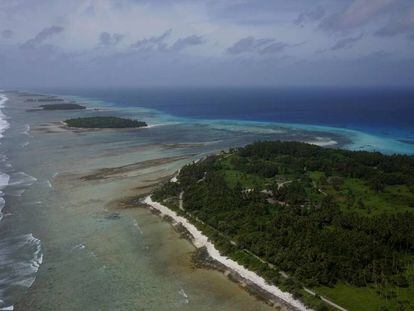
[(385, 113)]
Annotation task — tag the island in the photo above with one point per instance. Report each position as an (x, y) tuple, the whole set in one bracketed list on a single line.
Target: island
[(334, 228), (56, 107), (65, 106), (104, 122), (45, 99)]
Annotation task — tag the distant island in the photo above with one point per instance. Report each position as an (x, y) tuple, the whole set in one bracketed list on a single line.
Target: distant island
[(308, 219), (104, 122), (66, 106), (45, 99), (55, 107)]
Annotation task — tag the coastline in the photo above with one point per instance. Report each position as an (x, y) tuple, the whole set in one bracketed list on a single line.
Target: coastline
[(21, 253), (199, 240)]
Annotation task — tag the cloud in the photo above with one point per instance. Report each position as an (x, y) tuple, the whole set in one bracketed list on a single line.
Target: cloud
[(310, 15), (244, 45), (107, 39), (358, 13), (275, 47), (212, 42), (403, 24), (346, 43), (253, 45), (7, 34), (42, 36), (376, 56), (155, 43), (183, 43), (160, 44)]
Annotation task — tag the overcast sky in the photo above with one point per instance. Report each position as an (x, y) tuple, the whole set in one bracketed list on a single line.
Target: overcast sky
[(206, 43)]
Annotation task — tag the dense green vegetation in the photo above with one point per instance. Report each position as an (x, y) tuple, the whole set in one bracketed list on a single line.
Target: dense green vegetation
[(340, 222), (66, 106), (104, 122)]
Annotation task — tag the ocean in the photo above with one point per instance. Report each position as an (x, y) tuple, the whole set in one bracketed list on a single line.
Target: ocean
[(374, 119)]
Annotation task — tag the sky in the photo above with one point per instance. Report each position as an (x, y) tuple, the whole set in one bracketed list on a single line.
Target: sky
[(269, 43)]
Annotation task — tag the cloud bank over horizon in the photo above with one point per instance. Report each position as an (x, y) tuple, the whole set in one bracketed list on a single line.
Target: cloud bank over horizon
[(133, 43)]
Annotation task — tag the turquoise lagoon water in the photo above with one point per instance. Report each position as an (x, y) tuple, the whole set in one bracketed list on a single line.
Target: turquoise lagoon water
[(369, 120)]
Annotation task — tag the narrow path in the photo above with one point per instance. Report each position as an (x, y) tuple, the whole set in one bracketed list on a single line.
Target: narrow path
[(180, 201), (329, 302)]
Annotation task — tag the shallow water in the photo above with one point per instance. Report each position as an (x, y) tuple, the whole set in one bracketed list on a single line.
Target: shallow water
[(380, 119)]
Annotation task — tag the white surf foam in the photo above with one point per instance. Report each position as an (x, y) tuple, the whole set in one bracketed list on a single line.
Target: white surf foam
[(184, 295), (4, 178), (21, 179), (3, 122), (26, 130), (19, 182), (78, 247), (20, 259), (155, 125), (322, 142), (48, 184), (2, 204), (138, 227), (20, 256)]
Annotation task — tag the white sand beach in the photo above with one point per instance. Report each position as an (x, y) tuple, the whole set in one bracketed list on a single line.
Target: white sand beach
[(200, 240)]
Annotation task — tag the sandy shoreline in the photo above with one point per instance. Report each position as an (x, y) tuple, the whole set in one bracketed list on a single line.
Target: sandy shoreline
[(199, 240)]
